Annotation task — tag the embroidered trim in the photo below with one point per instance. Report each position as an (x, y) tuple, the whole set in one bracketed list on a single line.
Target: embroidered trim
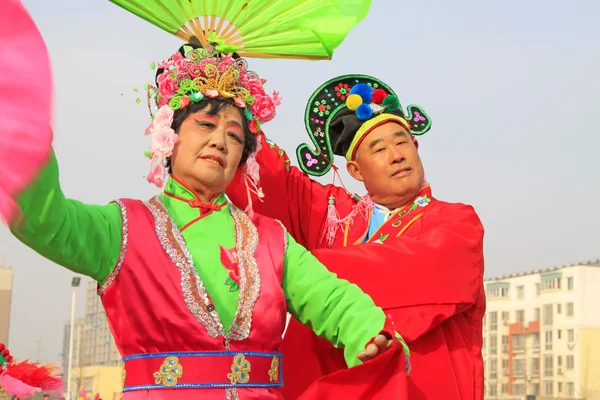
[(169, 372), (240, 370), (194, 292), (124, 239), (246, 243), (285, 237)]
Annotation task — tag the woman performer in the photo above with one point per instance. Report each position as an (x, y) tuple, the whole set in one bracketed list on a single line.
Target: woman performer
[(195, 290)]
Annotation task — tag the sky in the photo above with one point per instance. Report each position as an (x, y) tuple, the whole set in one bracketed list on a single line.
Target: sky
[(512, 89)]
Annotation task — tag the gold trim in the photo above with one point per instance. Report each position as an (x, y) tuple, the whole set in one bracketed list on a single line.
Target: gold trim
[(240, 370), (170, 371), (274, 371)]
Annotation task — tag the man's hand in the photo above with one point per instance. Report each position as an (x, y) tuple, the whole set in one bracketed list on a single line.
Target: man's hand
[(380, 345)]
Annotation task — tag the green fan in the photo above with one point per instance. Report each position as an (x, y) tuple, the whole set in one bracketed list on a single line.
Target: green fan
[(301, 29)]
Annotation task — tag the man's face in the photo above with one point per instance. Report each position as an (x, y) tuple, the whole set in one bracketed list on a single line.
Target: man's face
[(388, 163)]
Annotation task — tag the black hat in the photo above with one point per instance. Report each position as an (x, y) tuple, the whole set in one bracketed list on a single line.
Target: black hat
[(345, 106)]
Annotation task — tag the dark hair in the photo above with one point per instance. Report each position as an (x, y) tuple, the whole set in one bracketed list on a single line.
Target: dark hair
[(212, 107)]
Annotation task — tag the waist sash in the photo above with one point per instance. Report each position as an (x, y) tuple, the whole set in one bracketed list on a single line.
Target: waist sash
[(198, 370)]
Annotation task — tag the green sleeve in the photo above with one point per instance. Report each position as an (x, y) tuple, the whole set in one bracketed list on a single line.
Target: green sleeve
[(85, 239), (331, 307)]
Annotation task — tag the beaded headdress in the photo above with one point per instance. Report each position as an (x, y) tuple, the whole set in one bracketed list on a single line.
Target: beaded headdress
[(193, 74)]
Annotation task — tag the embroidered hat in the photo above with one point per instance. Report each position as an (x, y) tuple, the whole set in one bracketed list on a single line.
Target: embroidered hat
[(343, 111)]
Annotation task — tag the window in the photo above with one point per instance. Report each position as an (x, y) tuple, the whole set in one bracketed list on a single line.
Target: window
[(570, 309), (548, 388), (535, 367), (493, 390), (558, 334), (559, 362), (536, 314), (518, 389), (494, 321), (520, 315), (570, 362), (548, 366), (547, 314), (550, 284), (558, 308), (571, 335), (537, 289), (518, 367), (559, 388), (505, 316), (483, 346), (505, 388), (570, 285), (505, 367), (518, 342), (493, 344), (496, 291), (570, 385), (505, 343), (535, 339), (520, 292), (534, 388), (493, 369)]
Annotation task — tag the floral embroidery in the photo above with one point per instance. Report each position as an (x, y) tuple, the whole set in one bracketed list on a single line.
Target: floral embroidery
[(229, 260), (382, 238), (342, 90), (170, 371), (322, 108), (240, 370), (194, 292), (422, 201), (246, 243), (274, 371)]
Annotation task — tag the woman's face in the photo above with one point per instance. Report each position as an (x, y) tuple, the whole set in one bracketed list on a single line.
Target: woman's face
[(209, 150)]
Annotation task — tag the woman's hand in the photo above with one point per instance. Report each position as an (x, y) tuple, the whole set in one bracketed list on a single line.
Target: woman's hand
[(380, 345)]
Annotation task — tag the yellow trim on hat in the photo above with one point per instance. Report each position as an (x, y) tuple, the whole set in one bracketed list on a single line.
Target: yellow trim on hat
[(368, 126)]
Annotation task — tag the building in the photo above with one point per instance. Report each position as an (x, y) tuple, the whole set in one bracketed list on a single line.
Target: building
[(95, 355), (6, 283), (542, 334)]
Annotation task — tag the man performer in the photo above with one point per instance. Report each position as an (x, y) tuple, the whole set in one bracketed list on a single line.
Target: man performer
[(419, 258)]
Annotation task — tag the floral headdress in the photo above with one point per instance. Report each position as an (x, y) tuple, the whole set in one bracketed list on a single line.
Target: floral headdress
[(193, 74)]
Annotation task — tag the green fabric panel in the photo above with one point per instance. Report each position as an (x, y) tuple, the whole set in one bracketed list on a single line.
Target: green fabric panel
[(202, 239), (331, 307), (83, 238)]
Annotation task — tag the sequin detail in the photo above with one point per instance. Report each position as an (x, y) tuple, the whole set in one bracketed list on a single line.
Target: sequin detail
[(246, 243), (124, 239), (285, 237), (194, 292)]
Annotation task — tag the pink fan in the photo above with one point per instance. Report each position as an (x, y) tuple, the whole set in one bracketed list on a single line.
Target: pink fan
[(25, 104)]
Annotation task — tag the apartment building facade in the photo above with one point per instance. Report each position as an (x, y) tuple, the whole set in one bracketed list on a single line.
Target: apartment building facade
[(542, 334)]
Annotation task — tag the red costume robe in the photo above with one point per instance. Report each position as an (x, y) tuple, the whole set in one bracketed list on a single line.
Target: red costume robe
[(424, 267)]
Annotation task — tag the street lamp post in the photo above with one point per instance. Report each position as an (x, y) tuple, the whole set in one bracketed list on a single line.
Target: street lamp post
[(74, 286)]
